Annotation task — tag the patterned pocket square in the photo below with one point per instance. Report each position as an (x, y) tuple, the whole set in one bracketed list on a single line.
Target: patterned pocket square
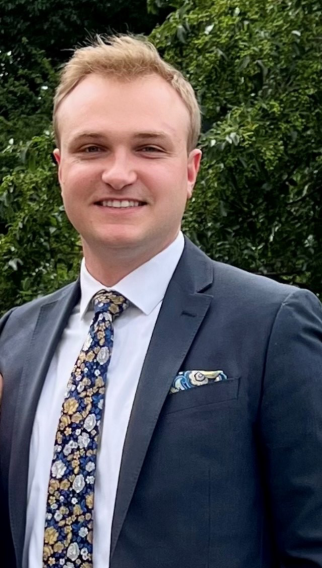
[(190, 379)]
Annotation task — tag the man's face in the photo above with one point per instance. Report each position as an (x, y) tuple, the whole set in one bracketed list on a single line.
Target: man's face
[(124, 169)]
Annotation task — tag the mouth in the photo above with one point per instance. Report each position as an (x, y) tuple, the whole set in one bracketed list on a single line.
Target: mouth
[(120, 203)]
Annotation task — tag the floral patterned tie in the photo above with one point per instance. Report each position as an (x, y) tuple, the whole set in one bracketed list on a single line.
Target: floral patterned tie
[(70, 501)]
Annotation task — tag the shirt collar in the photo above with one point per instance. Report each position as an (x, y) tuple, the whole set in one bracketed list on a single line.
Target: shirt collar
[(145, 287)]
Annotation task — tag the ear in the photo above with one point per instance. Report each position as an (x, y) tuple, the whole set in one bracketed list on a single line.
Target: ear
[(57, 156), (193, 166)]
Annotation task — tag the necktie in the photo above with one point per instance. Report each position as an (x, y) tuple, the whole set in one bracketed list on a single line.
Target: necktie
[(70, 500)]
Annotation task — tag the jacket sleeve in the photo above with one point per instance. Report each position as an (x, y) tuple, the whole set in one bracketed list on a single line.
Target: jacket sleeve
[(291, 430), (6, 545)]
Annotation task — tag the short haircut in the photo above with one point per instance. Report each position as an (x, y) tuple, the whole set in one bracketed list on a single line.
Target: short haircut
[(126, 57)]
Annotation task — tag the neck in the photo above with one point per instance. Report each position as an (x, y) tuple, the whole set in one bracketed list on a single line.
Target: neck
[(108, 274), (113, 266)]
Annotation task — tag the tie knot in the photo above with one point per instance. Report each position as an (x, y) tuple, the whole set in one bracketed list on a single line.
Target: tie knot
[(110, 301)]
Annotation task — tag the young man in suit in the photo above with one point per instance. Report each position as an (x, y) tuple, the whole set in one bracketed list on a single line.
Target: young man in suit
[(189, 431)]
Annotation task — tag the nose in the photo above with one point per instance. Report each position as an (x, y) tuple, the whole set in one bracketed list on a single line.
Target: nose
[(119, 171)]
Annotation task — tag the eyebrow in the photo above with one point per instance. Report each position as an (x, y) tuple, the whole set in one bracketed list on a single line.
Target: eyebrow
[(82, 135), (151, 135)]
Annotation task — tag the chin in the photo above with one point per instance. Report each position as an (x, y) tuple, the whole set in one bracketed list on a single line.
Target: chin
[(119, 242)]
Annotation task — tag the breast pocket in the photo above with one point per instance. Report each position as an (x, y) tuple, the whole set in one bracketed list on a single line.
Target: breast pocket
[(213, 393)]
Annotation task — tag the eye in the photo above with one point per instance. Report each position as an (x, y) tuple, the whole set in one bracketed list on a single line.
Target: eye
[(150, 149), (91, 149)]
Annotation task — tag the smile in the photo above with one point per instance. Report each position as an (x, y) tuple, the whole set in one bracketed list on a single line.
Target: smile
[(120, 204)]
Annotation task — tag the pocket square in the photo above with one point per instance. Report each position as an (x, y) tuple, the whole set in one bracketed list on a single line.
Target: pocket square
[(191, 379)]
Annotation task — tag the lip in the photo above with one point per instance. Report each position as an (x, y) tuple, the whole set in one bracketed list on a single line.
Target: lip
[(105, 209), (102, 200)]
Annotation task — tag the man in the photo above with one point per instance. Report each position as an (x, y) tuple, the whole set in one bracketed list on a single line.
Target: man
[(204, 446)]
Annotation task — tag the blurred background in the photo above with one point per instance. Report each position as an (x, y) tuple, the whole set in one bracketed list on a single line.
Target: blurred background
[(256, 66)]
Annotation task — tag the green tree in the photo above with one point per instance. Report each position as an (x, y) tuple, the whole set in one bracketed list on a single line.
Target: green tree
[(40, 250), (26, 91), (257, 69), (56, 27)]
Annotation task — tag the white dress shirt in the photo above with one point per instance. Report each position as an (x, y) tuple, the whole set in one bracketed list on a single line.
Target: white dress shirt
[(145, 288)]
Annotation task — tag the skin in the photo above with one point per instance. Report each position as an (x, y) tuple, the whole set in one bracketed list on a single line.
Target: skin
[(124, 141)]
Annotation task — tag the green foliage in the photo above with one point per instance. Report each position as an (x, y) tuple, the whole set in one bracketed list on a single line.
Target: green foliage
[(40, 250), (257, 69), (56, 27), (26, 92)]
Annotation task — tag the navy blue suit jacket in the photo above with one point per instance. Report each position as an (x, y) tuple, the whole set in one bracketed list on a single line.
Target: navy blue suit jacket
[(227, 475)]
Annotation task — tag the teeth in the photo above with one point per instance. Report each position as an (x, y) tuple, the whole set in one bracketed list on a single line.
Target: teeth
[(118, 204)]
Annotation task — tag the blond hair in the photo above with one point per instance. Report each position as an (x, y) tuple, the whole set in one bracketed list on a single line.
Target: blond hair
[(126, 57)]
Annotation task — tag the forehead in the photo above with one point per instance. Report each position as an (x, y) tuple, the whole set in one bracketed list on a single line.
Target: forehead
[(103, 103)]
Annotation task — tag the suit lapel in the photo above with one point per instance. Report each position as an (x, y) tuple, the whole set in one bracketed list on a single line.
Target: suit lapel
[(52, 319), (182, 312)]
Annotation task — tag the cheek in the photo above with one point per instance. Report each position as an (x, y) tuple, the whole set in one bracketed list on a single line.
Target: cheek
[(166, 182), (77, 181)]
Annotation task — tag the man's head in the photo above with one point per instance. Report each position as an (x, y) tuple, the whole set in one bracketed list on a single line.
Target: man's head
[(126, 58), (126, 156)]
